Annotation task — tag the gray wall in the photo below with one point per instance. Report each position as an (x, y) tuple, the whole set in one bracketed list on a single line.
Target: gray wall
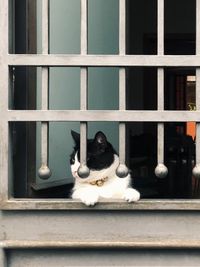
[(151, 238)]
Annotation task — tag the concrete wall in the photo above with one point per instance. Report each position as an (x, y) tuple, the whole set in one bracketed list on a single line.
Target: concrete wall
[(100, 238)]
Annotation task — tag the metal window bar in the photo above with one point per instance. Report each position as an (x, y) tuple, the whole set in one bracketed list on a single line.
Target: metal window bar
[(196, 169), (121, 60), (5, 182), (161, 170), (104, 60), (122, 170), (44, 172), (3, 258), (83, 170)]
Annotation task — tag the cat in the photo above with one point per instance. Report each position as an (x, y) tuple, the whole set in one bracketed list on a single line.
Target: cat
[(102, 182)]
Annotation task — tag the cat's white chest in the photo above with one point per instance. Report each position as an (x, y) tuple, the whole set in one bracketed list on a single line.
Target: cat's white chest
[(114, 188), (89, 191)]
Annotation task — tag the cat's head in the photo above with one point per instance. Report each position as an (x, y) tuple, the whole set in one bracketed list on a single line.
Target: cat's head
[(100, 154)]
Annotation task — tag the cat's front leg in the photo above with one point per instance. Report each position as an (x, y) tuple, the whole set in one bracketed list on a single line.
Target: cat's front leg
[(87, 196), (131, 195)]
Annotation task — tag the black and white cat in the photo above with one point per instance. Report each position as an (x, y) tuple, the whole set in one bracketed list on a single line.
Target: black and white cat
[(102, 160)]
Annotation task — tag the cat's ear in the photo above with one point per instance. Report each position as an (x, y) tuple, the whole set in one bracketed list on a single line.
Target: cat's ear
[(101, 139), (76, 137)]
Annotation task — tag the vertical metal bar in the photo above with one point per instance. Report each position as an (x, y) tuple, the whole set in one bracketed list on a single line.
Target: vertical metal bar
[(122, 106), (84, 27), (161, 170), (196, 169), (83, 125), (3, 258), (197, 27), (122, 170), (83, 170), (160, 27), (44, 171), (5, 183), (160, 74)]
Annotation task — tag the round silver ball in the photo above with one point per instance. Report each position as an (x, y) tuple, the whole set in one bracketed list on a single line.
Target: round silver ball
[(44, 172), (161, 171), (122, 171), (196, 171), (83, 171)]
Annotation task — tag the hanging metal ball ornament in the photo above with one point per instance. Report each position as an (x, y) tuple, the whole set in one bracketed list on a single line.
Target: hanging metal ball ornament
[(44, 172), (122, 171), (161, 171), (83, 171), (196, 171)]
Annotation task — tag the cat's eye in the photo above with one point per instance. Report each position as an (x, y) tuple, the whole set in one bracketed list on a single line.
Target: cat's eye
[(72, 161)]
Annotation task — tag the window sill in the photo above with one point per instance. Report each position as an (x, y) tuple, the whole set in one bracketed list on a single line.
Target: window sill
[(66, 204), (148, 243)]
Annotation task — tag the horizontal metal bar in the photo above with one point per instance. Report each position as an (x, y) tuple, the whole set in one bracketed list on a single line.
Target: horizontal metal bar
[(138, 243), (64, 204), (105, 115), (101, 60)]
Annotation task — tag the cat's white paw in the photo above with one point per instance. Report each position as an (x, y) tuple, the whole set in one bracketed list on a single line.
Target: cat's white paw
[(131, 195), (87, 196), (90, 199)]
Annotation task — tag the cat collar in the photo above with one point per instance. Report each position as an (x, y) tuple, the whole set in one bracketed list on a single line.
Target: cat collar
[(99, 182)]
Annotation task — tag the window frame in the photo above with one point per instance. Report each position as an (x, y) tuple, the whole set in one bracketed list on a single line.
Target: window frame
[(122, 60)]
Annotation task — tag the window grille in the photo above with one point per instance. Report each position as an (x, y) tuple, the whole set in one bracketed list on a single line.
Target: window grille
[(83, 60)]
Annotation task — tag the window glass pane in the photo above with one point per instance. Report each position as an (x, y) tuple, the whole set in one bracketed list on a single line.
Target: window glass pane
[(23, 88), (180, 26), (23, 157), (103, 88), (64, 26), (60, 147), (23, 22), (179, 158), (179, 154), (141, 88), (142, 27), (64, 90), (103, 29), (142, 158), (180, 89), (26, 92)]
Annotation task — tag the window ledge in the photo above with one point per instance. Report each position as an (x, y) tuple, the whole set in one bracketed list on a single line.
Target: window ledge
[(138, 243), (66, 204)]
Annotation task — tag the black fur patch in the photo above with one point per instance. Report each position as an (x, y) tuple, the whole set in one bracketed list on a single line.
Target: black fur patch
[(100, 153)]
